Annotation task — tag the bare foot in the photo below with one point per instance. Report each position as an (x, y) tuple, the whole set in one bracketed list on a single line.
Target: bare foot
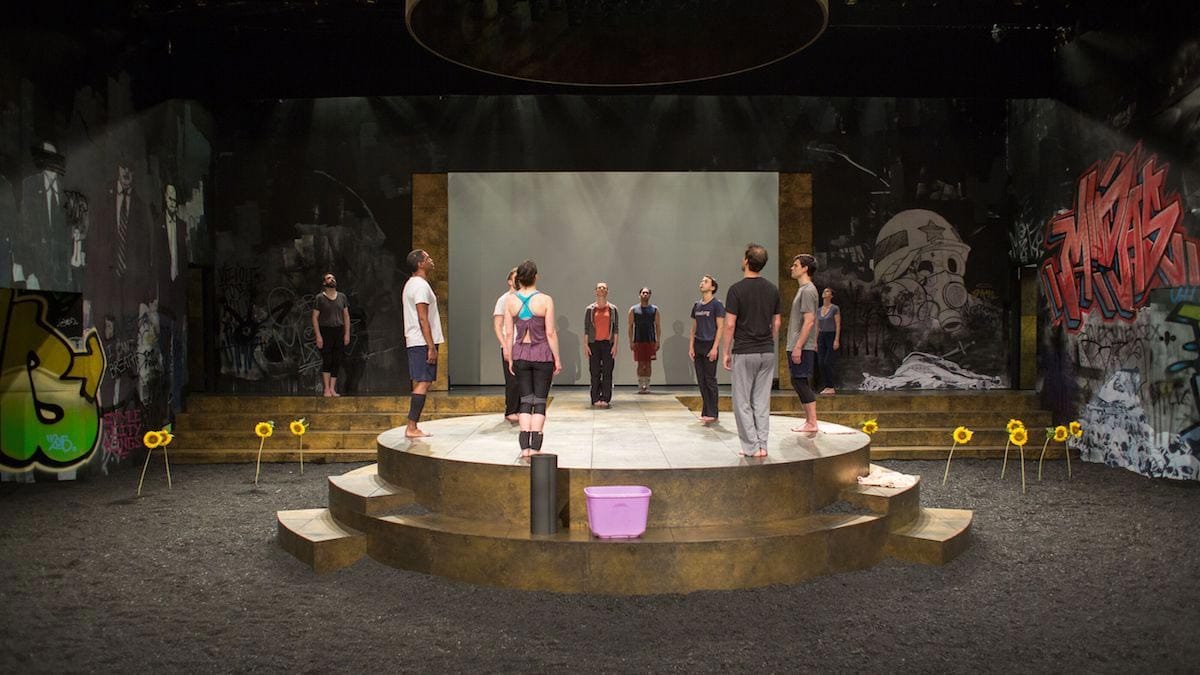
[(762, 452), (526, 453), (336, 395), (417, 433), (806, 429), (327, 394), (513, 418), (828, 391), (742, 453)]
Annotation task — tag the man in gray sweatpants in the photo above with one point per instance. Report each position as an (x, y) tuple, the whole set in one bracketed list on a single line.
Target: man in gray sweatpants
[(751, 326)]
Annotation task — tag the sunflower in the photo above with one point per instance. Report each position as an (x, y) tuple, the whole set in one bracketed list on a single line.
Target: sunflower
[(1018, 436), (152, 439), (963, 435), (264, 429), (299, 426), (167, 437), (1076, 429), (1060, 434), (1013, 425), (870, 426)]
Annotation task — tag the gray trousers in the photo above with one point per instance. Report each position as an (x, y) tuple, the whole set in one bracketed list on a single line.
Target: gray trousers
[(751, 380)]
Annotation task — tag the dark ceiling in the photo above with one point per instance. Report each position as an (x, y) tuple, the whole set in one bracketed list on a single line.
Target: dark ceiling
[(222, 51)]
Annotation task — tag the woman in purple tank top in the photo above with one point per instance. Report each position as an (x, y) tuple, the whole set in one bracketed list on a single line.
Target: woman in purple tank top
[(532, 356)]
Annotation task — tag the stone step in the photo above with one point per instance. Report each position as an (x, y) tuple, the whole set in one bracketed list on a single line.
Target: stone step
[(243, 456), (936, 537), (318, 540), (311, 405), (901, 505), (971, 451), (934, 436), (282, 439), (906, 419), (357, 496), (1003, 402), (321, 421)]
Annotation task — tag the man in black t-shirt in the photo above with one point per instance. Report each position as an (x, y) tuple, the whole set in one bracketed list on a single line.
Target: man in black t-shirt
[(751, 326)]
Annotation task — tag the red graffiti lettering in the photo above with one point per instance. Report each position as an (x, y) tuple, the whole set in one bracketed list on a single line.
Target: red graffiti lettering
[(122, 433), (1122, 240)]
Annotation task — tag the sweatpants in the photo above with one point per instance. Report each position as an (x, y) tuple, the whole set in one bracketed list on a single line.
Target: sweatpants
[(751, 381)]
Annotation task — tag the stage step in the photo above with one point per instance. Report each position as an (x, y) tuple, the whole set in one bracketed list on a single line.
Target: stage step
[(437, 402), (906, 419), (1056, 451), (901, 505), (275, 455), (359, 494), (936, 537), (323, 421), (317, 539)]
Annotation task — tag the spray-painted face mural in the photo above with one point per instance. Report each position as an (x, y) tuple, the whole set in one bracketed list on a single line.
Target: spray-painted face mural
[(919, 263), (49, 414)]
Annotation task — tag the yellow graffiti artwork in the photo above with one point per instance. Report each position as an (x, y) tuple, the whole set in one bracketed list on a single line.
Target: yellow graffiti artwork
[(48, 407)]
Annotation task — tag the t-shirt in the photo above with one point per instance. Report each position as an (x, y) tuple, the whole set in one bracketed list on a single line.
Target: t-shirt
[(602, 322), (416, 291), (826, 322), (706, 315), (806, 301), (643, 323), (501, 308), (755, 302), (329, 312)]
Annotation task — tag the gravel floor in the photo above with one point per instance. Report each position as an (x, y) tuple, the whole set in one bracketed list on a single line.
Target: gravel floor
[(1098, 574)]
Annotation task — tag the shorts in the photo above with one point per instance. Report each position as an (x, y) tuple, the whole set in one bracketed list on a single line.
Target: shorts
[(644, 351), (805, 368), (419, 370)]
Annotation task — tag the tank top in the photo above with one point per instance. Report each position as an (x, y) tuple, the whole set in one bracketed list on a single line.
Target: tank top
[(529, 324)]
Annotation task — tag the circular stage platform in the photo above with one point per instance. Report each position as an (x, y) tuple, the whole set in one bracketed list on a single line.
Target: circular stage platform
[(717, 520)]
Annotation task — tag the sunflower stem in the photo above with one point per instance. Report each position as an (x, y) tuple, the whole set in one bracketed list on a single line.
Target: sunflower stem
[(143, 478), (947, 473), (261, 441), (1043, 457), (1004, 466)]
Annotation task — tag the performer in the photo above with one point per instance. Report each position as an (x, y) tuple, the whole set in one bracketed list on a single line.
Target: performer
[(802, 338), (751, 326), (533, 355), (829, 337), (708, 324), (422, 334), (331, 325), (600, 325), (512, 398), (645, 327)]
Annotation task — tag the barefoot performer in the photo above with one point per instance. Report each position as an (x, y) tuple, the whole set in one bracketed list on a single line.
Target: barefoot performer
[(422, 335)]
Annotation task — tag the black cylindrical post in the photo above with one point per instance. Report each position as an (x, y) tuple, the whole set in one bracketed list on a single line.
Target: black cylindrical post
[(543, 493)]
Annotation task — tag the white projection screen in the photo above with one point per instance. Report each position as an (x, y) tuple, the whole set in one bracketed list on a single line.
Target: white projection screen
[(630, 229)]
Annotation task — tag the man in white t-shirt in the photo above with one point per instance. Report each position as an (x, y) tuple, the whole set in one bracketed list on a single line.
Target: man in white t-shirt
[(512, 395), (422, 335)]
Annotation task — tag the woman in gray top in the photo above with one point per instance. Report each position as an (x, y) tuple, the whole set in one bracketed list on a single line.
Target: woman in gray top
[(829, 337)]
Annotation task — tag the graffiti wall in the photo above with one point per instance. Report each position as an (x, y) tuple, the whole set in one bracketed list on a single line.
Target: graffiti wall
[(912, 187), (1119, 271), (104, 205)]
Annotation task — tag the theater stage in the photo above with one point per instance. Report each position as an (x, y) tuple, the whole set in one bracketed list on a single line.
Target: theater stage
[(456, 504)]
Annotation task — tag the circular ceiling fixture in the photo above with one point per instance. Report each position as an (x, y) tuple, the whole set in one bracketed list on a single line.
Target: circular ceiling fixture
[(615, 42)]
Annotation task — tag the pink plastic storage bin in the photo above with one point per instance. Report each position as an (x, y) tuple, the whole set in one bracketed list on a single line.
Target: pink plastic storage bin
[(617, 511)]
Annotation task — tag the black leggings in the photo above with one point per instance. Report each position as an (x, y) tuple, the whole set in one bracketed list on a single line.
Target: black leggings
[(533, 383), (331, 353)]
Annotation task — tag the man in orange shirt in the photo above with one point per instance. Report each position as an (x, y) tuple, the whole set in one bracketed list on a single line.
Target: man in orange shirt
[(600, 324)]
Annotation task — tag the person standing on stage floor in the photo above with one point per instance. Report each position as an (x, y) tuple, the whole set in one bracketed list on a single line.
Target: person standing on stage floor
[(600, 322), (802, 338), (422, 334), (829, 337), (331, 325), (512, 399), (751, 326), (645, 327), (708, 324), (533, 354)]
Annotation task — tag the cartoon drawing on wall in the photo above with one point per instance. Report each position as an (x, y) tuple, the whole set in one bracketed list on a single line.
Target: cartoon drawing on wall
[(42, 245), (920, 261), (48, 389), (1123, 239)]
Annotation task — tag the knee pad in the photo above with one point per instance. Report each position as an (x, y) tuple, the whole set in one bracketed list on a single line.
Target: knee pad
[(527, 403), (523, 437), (539, 406), (535, 440)]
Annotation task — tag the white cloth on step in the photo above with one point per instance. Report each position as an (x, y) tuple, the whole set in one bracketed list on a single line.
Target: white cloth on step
[(882, 477)]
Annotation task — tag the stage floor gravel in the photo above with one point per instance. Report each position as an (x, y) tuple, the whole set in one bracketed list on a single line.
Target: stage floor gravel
[(1093, 575)]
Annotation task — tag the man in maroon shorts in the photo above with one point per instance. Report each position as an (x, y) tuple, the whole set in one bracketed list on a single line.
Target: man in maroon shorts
[(644, 329)]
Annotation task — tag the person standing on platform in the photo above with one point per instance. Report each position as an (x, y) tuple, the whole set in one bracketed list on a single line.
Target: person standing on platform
[(422, 335), (802, 338), (600, 322), (751, 326), (331, 325), (708, 324), (829, 338), (645, 327), (512, 399), (533, 354)]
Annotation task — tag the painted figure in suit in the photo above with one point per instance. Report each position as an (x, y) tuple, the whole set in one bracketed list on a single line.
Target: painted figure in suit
[(121, 268), (41, 249)]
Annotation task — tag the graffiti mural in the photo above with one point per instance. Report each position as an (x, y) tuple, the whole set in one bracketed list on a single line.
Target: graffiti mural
[(1123, 239), (48, 389)]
